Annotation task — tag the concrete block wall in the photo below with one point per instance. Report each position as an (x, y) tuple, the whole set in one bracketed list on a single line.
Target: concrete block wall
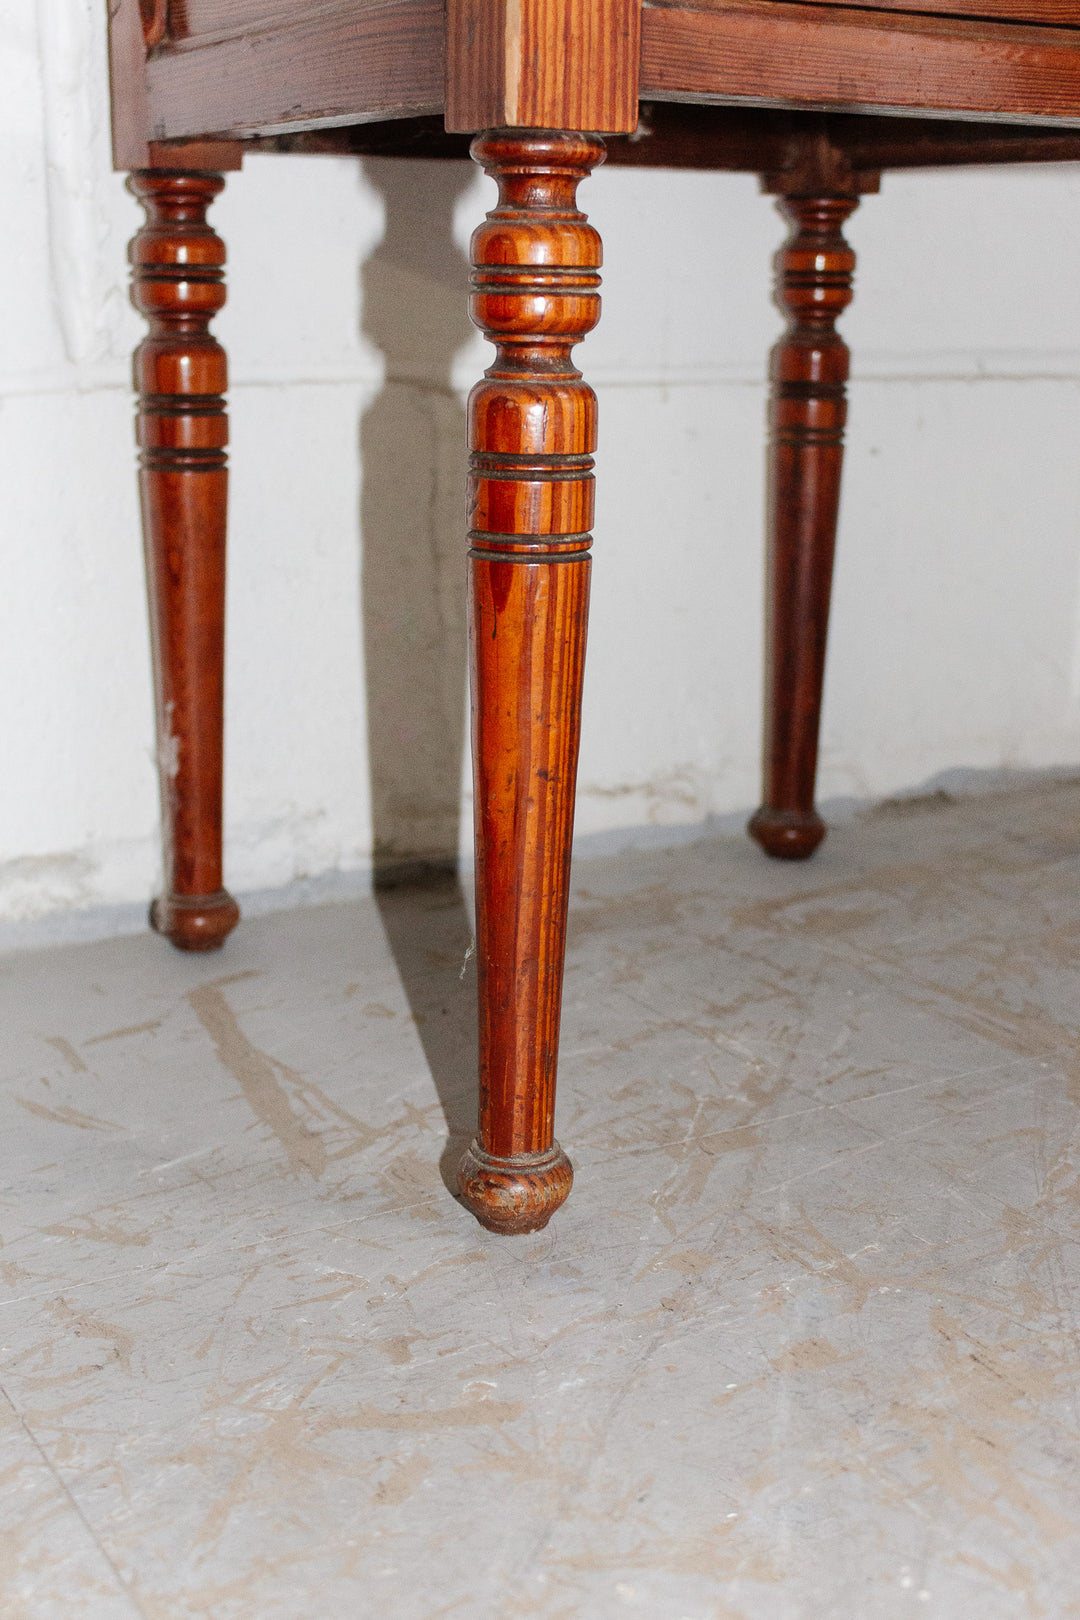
[(956, 629)]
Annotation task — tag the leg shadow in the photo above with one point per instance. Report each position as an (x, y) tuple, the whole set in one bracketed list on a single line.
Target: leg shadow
[(412, 442)]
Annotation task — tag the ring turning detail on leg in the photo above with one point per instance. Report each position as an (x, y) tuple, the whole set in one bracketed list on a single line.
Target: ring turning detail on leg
[(532, 433)]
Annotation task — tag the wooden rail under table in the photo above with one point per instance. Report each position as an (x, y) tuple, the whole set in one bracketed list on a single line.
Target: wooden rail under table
[(817, 98)]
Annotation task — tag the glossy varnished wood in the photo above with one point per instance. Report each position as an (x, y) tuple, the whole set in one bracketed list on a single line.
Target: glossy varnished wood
[(180, 375), (532, 432), (542, 64), (847, 58), (808, 414), (201, 72)]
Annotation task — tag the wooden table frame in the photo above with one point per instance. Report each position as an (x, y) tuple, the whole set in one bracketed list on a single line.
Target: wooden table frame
[(817, 98)]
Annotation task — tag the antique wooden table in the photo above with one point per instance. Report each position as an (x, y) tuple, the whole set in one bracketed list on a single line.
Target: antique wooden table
[(817, 97)]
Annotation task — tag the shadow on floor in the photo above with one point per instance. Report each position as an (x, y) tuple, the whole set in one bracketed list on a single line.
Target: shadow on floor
[(412, 444), (429, 932)]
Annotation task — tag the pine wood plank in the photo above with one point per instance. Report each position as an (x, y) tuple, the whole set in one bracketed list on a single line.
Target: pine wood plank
[(373, 60), (542, 64), (828, 57)]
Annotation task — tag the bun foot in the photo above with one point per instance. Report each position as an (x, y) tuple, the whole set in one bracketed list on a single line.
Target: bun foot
[(514, 1195), (787, 835), (195, 922)]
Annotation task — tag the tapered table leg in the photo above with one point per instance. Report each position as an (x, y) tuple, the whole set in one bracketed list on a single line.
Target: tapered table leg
[(808, 411), (180, 375), (532, 428)]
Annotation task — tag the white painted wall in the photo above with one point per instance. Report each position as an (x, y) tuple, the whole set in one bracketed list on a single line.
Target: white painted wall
[(956, 630)]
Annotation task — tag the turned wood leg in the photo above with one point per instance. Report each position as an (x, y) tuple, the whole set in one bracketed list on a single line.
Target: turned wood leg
[(532, 431), (808, 410), (180, 375)]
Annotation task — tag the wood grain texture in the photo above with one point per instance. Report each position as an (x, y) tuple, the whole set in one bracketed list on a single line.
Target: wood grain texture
[(131, 142), (348, 63), (180, 374), (542, 64), (822, 56), (1052, 13), (532, 432), (808, 412), (204, 20)]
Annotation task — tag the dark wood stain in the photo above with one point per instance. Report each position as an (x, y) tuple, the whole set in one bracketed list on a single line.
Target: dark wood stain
[(775, 87), (180, 374), (532, 431), (808, 411)]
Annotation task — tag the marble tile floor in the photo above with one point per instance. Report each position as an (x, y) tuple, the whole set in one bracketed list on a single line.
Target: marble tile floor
[(803, 1345)]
